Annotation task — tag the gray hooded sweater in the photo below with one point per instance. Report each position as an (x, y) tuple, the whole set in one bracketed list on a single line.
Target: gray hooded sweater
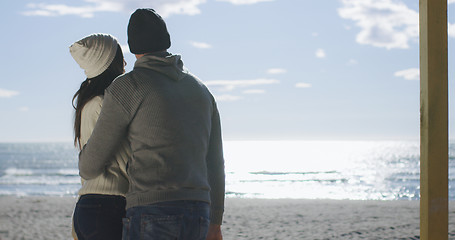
[(173, 126)]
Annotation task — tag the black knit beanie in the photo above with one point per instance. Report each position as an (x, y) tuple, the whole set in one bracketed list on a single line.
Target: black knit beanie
[(147, 32)]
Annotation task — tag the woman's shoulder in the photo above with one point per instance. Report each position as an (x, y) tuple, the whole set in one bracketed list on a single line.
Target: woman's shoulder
[(94, 104)]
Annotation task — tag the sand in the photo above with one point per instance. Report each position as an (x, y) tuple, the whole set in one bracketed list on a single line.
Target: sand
[(50, 217)]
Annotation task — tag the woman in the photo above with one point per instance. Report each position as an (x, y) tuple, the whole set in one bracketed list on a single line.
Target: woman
[(101, 205)]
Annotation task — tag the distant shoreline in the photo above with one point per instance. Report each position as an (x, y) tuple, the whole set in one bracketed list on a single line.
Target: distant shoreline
[(70, 141), (49, 217)]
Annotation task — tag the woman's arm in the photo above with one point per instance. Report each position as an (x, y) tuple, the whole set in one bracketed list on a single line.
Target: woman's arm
[(215, 170)]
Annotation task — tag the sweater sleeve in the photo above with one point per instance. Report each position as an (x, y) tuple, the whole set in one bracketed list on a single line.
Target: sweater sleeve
[(215, 169), (110, 130)]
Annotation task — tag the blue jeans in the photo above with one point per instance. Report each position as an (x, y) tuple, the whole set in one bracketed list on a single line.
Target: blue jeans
[(175, 220), (99, 217)]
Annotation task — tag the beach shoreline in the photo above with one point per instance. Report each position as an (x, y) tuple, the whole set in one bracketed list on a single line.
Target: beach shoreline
[(49, 217)]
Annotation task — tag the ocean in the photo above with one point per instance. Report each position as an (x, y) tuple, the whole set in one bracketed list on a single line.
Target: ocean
[(356, 170)]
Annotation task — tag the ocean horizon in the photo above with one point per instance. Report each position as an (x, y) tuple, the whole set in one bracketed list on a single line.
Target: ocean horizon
[(353, 170)]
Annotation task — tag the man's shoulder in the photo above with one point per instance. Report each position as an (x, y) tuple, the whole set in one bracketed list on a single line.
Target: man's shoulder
[(123, 82), (134, 77), (122, 78), (127, 90)]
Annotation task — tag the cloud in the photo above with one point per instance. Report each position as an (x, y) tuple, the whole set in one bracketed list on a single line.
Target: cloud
[(229, 85), (320, 53), (227, 98), (7, 93), (125, 48), (383, 23), (409, 74), (452, 29), (352, 62), (164, 7), (254, 91), (88, 11), (244, 2), (201, 45), (276, 70), (347, 27), (302, 85), (24, 109)]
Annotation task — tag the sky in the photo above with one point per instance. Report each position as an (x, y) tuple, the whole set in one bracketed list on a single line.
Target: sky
[(279, 69)]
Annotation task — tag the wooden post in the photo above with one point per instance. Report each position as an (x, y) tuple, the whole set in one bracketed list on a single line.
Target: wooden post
[(434, 120)]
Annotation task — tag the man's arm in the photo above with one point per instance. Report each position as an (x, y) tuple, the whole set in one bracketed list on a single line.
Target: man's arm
[(214, 232), (110, 130), (215, 170)]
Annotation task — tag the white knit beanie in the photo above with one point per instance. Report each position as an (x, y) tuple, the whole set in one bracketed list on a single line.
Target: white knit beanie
[(94, 53)]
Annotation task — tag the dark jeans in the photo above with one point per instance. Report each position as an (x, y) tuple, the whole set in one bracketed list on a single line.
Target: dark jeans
[(99, 217), (176, 220)]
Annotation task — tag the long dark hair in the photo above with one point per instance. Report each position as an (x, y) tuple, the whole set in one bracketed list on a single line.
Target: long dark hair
[(93, 87)]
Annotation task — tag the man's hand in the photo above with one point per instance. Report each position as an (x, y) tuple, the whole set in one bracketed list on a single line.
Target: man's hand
[(214, 232)]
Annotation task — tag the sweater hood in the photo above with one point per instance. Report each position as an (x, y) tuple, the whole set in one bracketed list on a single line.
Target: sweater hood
[(164, 63)]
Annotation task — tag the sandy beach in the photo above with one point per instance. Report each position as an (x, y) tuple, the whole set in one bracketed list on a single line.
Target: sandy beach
[(49, 218)]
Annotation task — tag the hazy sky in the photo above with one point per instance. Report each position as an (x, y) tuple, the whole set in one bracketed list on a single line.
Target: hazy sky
[(279, 69)]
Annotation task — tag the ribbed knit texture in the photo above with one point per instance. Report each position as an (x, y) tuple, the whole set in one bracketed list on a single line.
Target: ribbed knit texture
[(114, 181), (94, 53), (173, 126)]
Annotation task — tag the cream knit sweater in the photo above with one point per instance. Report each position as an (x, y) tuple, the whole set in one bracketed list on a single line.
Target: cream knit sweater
[(114, 181)]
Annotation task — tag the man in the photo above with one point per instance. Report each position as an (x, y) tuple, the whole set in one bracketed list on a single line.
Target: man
[(172, 123)]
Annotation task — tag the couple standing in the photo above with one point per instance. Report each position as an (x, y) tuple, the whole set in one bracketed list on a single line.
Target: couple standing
[(154, 148)]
